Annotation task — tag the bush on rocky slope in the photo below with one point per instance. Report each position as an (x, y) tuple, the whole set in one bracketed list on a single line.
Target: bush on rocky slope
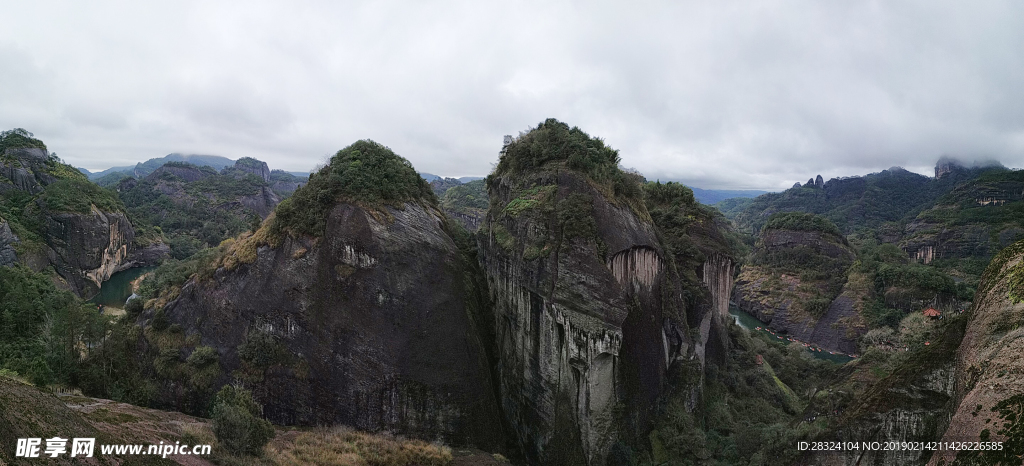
[(365, 172)]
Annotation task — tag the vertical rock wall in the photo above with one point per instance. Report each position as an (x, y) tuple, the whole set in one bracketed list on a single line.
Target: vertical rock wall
[(718, 278), (580, 337)]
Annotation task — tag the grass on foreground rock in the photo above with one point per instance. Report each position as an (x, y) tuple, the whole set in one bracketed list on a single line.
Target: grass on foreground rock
[(342, 446)]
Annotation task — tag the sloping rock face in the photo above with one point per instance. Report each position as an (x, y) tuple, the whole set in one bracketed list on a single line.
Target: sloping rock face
[(585, 323), (178, 181), (785, 300), (375, 325), (988, 362), (23, 169)]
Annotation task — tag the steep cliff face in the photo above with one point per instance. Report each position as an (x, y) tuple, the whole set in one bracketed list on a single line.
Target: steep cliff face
[(988, 363), (262, 202), (185, 172), (796, 283), (87, 249), (250, 166), (912, 404), (588, 314), (570, 323), (374, 321), (369, 316)]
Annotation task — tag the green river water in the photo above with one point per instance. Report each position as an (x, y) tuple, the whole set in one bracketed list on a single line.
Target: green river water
[(751, 323), (116, 290)]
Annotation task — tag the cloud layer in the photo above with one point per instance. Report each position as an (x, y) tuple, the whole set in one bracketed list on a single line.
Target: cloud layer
[(717, 94)]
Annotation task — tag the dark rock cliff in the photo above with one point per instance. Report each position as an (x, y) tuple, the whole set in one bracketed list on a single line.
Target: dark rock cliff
[(375, 317), (910, 405), (87, 249), (581, 338), (186, 172)]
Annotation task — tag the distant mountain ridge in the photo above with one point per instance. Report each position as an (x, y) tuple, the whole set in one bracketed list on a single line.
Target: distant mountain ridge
[(714, 196), (143, 169)]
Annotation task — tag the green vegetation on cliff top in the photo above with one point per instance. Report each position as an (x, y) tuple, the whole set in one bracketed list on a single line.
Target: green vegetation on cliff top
[(554, 142), (466, 198), (802, 221), (19, 138), (366, 173)]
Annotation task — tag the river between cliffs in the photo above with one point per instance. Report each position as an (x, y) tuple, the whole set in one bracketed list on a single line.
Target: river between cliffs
[(118, 288), (751, 323)]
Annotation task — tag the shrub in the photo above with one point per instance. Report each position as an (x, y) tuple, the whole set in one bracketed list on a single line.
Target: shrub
[(554, 141), (134, 306), (237, 423), (365, 172)]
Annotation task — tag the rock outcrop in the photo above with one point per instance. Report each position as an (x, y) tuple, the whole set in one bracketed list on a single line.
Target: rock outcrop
[(251, 166), (87, 249), (262, 202), (783, 288), (179, 170), (374, 317), (589, 310), (910, 405)]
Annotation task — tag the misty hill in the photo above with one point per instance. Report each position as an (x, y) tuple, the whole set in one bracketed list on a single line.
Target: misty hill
[(142, 169), (112, 175), (713, 196)]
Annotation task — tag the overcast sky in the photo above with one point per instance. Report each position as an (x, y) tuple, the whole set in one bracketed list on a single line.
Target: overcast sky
[(717, 94)]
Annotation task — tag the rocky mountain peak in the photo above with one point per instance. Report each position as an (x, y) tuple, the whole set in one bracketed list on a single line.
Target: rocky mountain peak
[(251, 166)]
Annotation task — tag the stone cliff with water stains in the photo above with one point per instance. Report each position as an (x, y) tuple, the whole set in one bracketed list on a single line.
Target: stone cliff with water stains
[(589, 306), (373, 322)]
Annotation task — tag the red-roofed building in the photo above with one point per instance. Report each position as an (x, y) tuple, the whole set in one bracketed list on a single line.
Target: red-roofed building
[(930, 312)]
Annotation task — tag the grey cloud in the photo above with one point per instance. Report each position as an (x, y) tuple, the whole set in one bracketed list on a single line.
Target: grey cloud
[(720, 95)]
